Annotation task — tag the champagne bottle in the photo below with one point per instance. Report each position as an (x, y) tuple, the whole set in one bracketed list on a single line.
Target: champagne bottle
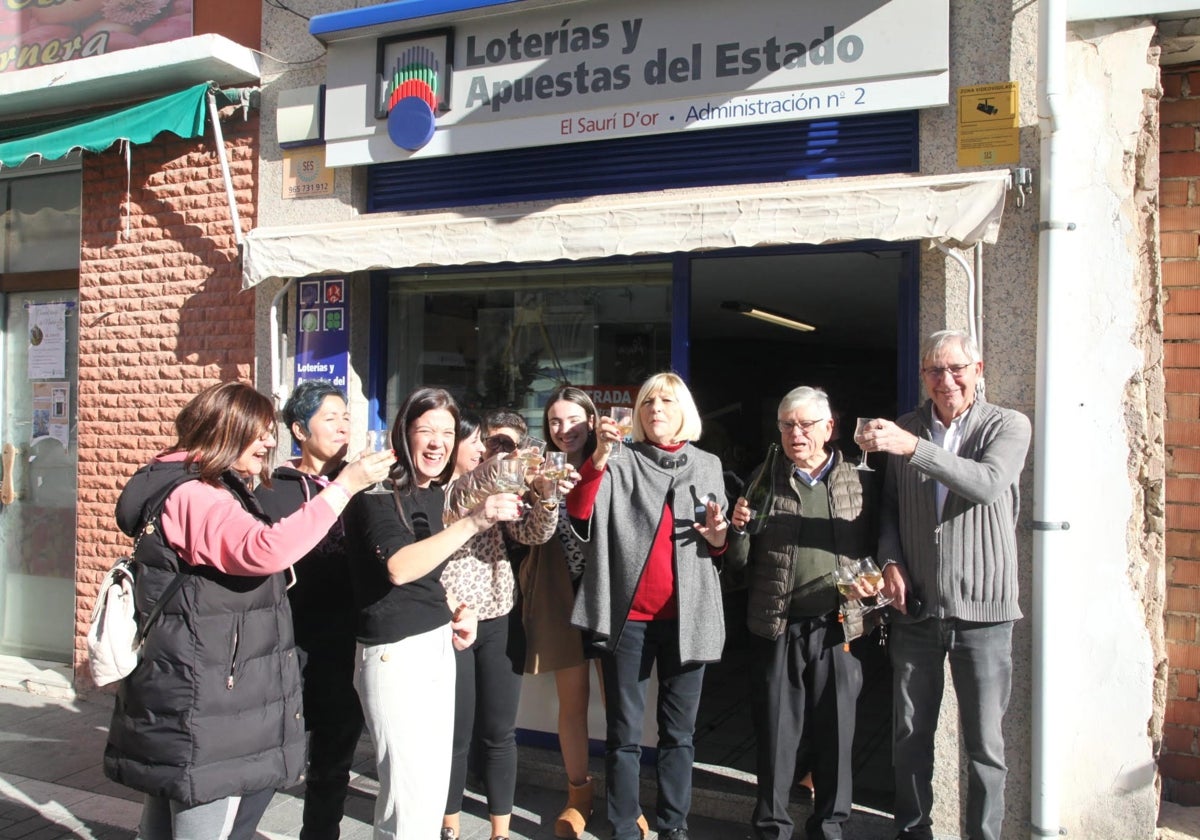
[(761, 494)]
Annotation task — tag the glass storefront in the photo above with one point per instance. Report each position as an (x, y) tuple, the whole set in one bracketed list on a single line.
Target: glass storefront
[(41, 449), (508, 337), (39, 346)]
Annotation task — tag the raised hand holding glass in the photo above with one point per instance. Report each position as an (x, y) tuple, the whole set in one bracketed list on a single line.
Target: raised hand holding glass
[(556, 469), (379, 440), (871, 575), (623, 417), (859, 429)]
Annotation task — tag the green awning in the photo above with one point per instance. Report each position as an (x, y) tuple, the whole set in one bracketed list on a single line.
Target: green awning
[(182, 114)]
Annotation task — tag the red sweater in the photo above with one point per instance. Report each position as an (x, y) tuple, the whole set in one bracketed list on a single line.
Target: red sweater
[(655, 597)]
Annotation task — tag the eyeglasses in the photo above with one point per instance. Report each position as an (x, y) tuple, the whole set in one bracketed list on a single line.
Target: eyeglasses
[(500, 443), (938, 372), (790, 426)]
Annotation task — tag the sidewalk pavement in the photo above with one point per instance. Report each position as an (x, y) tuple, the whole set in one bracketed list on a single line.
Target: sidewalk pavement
[(52, 784)]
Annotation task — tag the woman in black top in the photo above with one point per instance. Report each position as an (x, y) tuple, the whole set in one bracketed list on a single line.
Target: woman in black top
[(398, 548), (323, 612)]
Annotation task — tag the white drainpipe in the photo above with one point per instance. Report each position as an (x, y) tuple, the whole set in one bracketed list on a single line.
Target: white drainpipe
[(1055, 412)]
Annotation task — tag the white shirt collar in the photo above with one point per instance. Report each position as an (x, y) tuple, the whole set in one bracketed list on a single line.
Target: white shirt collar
[(813, 479)]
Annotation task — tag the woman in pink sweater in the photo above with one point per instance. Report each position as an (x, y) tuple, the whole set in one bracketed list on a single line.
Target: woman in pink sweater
[(209, 723)]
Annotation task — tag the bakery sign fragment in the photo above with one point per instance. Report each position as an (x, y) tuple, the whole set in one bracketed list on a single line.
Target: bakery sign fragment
[(34, 33)]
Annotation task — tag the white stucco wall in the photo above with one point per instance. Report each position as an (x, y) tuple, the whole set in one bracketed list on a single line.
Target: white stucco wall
[(294, 59), (1109, 768)]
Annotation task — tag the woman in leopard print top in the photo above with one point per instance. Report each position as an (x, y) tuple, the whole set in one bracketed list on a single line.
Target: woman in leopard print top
[(488, 685)]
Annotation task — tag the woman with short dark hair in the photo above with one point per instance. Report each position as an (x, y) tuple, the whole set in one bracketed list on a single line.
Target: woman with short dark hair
[(469, 447), (322, 603)]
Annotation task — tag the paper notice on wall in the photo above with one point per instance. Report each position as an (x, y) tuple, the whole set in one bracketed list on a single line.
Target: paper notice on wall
[(51, 410), (47, 341)]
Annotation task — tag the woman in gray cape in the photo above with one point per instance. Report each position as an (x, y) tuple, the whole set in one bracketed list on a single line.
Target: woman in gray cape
[(653, 521)]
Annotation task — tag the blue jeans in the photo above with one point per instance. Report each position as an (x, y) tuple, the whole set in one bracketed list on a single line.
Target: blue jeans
[(981, 667), (626, 672)]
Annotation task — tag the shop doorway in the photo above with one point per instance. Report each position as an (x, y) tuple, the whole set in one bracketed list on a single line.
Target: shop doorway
[(40, 343), (39, 359), (739, 366), (507, 335)]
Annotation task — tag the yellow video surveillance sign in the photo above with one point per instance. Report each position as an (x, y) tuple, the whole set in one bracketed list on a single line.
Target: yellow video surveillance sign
[(988, 129)]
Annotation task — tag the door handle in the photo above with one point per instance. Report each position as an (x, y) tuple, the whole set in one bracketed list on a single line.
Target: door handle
[(8, 493)]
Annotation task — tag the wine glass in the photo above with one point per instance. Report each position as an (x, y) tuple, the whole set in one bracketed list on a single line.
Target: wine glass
[(556, 469), (532, 442), (378, 440), (532, 450), (510, 476), (844, 576), (871, 575), (623, 417), (859, 429)]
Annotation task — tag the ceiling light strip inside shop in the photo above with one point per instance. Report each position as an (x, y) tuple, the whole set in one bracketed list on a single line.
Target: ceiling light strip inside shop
[(960, 209)]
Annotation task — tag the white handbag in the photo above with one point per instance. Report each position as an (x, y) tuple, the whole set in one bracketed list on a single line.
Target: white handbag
[(115, 635), (112, 643)]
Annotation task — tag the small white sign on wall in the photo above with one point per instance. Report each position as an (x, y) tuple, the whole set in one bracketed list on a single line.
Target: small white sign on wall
[(305, 174)]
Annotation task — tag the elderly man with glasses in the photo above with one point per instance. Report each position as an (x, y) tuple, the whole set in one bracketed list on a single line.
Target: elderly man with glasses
[(803, 676), (948, 539)]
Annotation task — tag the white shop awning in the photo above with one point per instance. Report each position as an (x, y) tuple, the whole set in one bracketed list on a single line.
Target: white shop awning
[(960, 209)]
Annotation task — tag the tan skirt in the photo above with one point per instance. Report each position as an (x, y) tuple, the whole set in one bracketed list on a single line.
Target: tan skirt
[(547, 598)]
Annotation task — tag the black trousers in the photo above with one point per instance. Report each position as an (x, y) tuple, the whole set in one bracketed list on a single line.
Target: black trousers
[(487, 691), (803, 678), (334, 719)]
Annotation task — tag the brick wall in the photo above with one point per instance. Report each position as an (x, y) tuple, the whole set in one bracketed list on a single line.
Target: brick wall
[(1179, 196), (162, 315)]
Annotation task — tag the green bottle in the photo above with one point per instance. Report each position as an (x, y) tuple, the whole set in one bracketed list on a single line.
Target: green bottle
[(761, 494)]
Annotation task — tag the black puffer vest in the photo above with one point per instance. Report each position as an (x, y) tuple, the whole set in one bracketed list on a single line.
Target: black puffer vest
[(213, 708)]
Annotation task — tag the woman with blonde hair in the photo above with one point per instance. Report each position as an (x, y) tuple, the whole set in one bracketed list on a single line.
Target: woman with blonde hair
[(652, 517)]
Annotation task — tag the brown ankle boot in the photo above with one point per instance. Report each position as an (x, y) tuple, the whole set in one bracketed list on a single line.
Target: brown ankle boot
[(574, 817), (643, 826)]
